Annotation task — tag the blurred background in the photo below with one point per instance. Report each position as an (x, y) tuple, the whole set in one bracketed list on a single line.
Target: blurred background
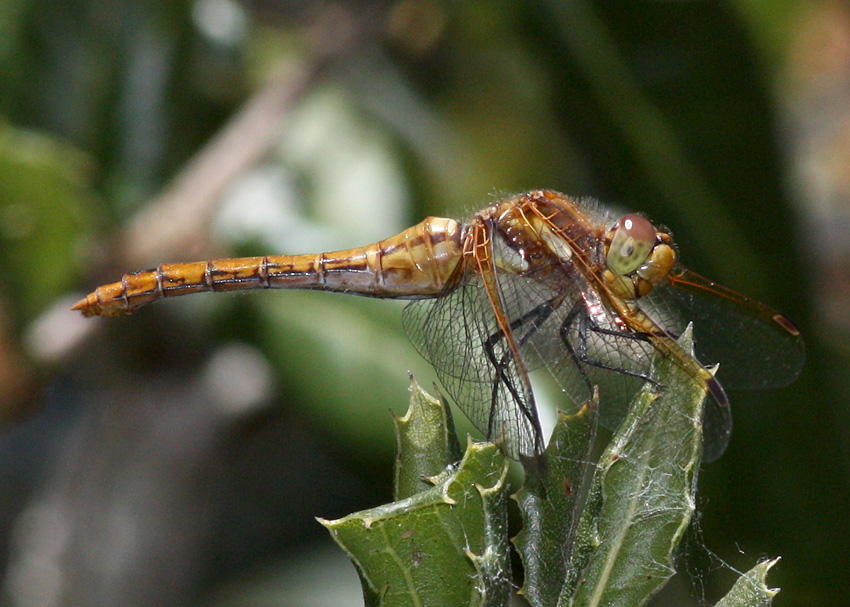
[(178, 456)]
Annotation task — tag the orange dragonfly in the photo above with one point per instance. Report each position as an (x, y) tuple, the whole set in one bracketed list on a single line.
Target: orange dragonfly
[(534, 280)]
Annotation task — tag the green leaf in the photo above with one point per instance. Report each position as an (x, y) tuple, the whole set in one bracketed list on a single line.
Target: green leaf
[(46, 207), (444, 546), (547, 501), (751, 590), (642, 496), (426, 442)]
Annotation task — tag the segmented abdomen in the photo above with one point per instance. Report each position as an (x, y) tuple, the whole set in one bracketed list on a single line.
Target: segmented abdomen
[(416, 263)]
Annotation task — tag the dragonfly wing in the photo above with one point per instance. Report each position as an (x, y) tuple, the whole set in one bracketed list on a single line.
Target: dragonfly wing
[(459, 335), (567, 329), (633, 356), (616, 359), (716, 427), (582, 343), (756, 346)]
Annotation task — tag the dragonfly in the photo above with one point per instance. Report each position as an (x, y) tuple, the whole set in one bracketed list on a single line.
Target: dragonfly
[(535, 280)]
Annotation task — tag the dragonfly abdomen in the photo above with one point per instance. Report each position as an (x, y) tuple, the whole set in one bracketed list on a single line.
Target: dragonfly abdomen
[(168, 280), (414, 264)]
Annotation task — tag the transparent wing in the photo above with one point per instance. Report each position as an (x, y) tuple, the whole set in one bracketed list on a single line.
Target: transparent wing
[(549, 322), (563, 324), (555, 328), (458, 334), (557, 321), (756, 346), (616, 359)]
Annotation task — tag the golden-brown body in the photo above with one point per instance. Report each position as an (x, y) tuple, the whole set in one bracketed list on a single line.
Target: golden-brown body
[(534, 279)]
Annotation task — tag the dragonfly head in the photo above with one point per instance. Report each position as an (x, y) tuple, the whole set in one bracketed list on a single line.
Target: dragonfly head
[(638, 256)]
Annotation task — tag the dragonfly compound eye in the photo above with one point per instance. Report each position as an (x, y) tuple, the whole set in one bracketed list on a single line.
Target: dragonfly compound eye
[(631, 243)]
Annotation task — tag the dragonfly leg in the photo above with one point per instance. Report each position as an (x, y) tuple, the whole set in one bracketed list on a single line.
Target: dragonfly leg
[(585, 325), (532, 321), (577, 309)]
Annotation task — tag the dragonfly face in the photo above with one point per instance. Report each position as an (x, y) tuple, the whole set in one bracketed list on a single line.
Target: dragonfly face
[(638, 257), (535, 280)]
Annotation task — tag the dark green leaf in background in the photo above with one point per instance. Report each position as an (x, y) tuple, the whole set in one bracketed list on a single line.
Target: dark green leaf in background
[(46, 209)]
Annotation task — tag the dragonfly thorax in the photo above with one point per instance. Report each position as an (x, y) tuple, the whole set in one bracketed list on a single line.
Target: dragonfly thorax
[(523, 243)]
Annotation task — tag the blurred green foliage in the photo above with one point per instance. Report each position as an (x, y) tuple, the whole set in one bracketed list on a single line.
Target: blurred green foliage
[(46, 207)]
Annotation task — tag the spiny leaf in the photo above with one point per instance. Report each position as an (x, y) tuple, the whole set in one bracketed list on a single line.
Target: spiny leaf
[(751, 589), (443, 546), (548, 500), (426, 443), (642, 496)]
